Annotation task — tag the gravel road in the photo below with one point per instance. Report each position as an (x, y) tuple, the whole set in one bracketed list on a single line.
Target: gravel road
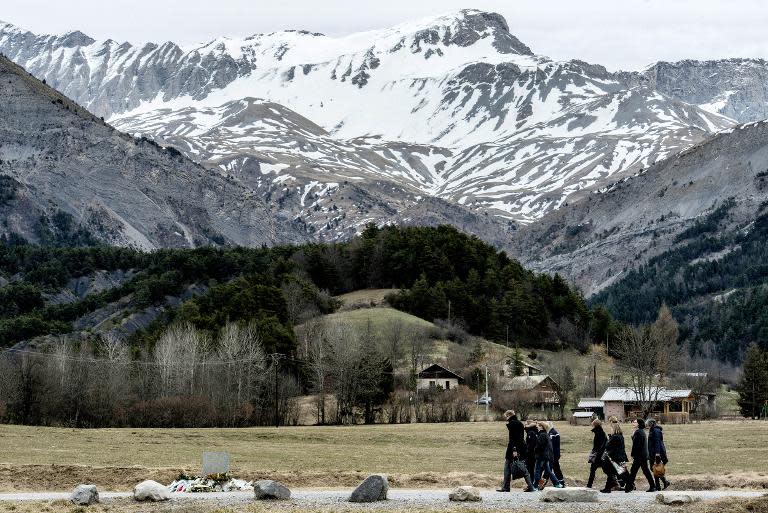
[(400, 498)]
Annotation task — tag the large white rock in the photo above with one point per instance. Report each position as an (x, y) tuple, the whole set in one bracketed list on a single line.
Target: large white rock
[(270, 490), (151, 491), (676, 498), (465, 494), (373, 489), (84, 495), (574, 494)]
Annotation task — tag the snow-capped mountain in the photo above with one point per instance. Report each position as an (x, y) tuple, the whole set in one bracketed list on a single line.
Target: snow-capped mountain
[(453, 107)]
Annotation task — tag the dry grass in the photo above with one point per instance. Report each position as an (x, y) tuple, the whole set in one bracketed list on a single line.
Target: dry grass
[(707, 455), (366, 296), (758, 505)]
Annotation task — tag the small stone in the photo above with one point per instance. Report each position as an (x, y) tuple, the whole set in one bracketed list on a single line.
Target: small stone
[(373, 488), (571, 494), (676, 498), (465, 494), (151, 491), (85, 495), (267, 489)]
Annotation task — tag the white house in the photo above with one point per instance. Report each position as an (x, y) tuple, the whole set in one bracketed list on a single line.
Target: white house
[(436, 376), (672, 406)]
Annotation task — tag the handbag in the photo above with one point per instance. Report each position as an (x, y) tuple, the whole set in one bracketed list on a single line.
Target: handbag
[(519, 470), (592, 457), (620, 468), (658, 468)]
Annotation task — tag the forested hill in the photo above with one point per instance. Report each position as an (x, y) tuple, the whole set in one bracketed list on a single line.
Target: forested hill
[(715, 282), (86, 293)]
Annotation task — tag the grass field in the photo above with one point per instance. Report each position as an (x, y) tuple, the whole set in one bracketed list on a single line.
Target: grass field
[(712, 454)]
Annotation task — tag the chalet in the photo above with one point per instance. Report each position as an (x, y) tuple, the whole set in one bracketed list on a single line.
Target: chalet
[(436, 376), (539, 392), (672, 406), (587, 409)]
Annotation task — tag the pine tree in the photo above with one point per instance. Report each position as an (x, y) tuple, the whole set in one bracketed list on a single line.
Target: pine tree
[(753, 386), (519, 367)]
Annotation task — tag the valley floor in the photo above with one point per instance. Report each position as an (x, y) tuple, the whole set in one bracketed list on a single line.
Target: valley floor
[(705, 456)]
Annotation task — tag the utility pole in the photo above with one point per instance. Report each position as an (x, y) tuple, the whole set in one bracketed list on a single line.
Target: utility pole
[(449, 311), (486, 392), (594, 379), (507, 336), (275, 358)]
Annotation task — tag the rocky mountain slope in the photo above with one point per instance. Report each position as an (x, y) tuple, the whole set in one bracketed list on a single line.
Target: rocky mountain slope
[(66, 177), (598, 240), (735, 88), (454, 108)]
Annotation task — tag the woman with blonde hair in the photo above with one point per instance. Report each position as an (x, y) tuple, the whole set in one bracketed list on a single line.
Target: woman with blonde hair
[(615, 454)]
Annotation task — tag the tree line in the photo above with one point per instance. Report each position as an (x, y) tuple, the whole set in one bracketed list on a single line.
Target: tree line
[(183, 360)]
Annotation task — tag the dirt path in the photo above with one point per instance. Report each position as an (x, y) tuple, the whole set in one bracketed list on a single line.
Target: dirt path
[(401, 499)]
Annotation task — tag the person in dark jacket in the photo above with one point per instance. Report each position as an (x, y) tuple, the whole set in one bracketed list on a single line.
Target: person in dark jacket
[(656, 448), (614, 452), (598, 448), (639, 458), (531, 437), (514, 458), (554, 435), (544, 457)]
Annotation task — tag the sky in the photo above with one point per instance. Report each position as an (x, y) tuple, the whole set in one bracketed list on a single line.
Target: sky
[(620, 34)]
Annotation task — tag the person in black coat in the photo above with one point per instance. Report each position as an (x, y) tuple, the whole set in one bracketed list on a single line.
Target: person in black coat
[(614, 452), (656, 448), (514, 457), (544, 457), (554, 435), (639, 458), (531, 436), (598, 448)]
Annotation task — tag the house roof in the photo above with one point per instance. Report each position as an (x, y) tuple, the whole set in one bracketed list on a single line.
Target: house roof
[(582, 414), (438, 371), (591, 402), (625, 394), (525, 382), (526, 363)]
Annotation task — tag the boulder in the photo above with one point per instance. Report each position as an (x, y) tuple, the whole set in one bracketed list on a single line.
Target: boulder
[(574, 494), (373, 489), (267, 489), (151, 491), (465, 494), (84, 495), (676, 498)]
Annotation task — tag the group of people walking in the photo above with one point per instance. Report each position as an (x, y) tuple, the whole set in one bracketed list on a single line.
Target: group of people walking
[(534, 450)]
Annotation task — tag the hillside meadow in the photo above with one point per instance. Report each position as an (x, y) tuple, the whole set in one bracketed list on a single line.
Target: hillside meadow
[(718, 454)]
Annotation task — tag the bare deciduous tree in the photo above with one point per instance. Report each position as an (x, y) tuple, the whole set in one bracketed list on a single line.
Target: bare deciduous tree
[(648, 355)]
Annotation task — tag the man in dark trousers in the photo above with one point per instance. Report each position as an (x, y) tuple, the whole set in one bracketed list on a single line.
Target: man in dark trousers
[(516, 451), (531, 438), (657, 449), (639, 458), (554, 435)]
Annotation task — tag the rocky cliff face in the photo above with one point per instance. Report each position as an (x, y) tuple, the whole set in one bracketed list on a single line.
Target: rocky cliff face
[(735, 88), (63, 168)]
